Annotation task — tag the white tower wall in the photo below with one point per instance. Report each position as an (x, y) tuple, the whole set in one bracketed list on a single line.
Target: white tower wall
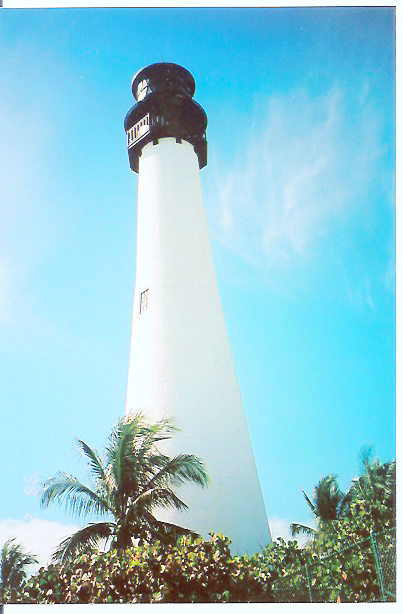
[(180, 362)]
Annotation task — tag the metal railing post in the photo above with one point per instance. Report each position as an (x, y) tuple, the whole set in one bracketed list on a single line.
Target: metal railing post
[(308, 583), (378, 565)]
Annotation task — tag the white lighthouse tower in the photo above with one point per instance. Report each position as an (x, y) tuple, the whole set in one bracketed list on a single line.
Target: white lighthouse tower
[(180, 360)]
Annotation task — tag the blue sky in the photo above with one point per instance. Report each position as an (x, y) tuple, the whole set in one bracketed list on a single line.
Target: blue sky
[(299, 192)]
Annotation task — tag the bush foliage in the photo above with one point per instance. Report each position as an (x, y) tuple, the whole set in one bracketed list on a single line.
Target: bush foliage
[(337, 564), (192, 571)]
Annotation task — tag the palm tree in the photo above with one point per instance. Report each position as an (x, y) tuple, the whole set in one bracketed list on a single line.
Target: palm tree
[(329, 503), (13, 561), (132, 480), (377, 481)]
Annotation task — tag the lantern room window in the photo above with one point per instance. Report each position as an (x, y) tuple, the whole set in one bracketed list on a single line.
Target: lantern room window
[(142, 89)]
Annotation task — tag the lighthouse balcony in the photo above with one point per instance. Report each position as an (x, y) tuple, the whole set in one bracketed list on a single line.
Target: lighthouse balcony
[(154, 126)]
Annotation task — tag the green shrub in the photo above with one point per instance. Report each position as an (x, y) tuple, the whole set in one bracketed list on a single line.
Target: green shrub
[(339, 564), (191, 571)]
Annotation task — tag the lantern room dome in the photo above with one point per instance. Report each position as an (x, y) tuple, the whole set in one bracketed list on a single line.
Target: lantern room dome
[(163, 76)]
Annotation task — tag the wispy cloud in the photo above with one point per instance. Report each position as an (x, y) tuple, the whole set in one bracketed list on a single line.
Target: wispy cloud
[(389, 277), (22, 177), (312, 164), (279, 527), (40, 537), (6, 316), (29, 223), (361, 294)]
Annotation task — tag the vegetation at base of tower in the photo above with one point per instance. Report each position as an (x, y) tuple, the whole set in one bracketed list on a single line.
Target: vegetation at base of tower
[(341, 568), (191, 571), (13, 564), (337, 563), (339, 556), (133, 479)]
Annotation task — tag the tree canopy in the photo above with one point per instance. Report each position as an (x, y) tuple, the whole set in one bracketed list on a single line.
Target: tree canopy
[(13, 564), (373, 490), (132, 479)]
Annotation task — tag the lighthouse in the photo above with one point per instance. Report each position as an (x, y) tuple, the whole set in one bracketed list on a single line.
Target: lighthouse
[(181, 365)]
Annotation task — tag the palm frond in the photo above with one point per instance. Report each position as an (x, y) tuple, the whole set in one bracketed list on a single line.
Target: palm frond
[(13, 561), (121, 458), (344, 504), (159, 431), (179, 531), (131, 453), (377, 481), (121, 444), (168, 533), (179, 470), (390, 479), (298, 529), (307, 499), (146, 436), (327, 498), (83, 540), (366, 455), (158, 497), (132, 426), (78, 498), (96, 466)]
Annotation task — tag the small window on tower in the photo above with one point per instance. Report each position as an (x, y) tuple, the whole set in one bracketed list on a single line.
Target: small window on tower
[(144, 296)]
